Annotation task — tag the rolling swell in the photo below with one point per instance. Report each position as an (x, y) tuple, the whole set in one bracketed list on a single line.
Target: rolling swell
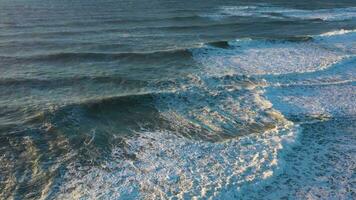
[(84, 133), (67, 81), (186, 106), (92, 106), (208, 111), (226, 44), (110, 21), (92, 56)]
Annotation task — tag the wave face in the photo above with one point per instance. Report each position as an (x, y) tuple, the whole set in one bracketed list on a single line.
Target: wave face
[(177, 100)]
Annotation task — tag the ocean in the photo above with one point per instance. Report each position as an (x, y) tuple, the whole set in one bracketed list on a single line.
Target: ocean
[(177, 99)]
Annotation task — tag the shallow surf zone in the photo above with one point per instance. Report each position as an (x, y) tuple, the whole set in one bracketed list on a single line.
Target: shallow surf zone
[(164, 165), (224, 136), (227, 135)]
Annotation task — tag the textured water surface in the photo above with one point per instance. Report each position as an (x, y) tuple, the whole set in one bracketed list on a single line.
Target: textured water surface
[(177, 99)]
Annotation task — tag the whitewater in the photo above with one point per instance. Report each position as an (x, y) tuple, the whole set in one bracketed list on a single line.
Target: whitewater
[(184, 100)]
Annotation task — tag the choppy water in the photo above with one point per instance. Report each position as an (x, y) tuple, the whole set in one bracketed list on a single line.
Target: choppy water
[(177, 99)]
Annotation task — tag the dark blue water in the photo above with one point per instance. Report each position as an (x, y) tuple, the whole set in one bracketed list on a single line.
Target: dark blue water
[(177, 99)]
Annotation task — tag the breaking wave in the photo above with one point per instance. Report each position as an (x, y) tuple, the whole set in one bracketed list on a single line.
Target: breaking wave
[(224, 136), (222, 132), (280, 13), (258, 57)]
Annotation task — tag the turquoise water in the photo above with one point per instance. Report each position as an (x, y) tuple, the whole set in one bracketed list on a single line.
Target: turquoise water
[(177, 99)]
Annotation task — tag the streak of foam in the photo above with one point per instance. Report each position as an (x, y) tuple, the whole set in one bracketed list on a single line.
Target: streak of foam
[(338, 32), (276, 12), (343, 40), (336, 14), (322, 94)]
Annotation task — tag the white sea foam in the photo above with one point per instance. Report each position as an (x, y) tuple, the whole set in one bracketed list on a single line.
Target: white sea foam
[(265, 57), (218, 106), (322, 100), (167, 166), (335, 14), (254, 11), (256, 57), (276, 12), (329, 92), (342, 40), (341, 73), (163, 164), (338, 32), (321, 166)]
